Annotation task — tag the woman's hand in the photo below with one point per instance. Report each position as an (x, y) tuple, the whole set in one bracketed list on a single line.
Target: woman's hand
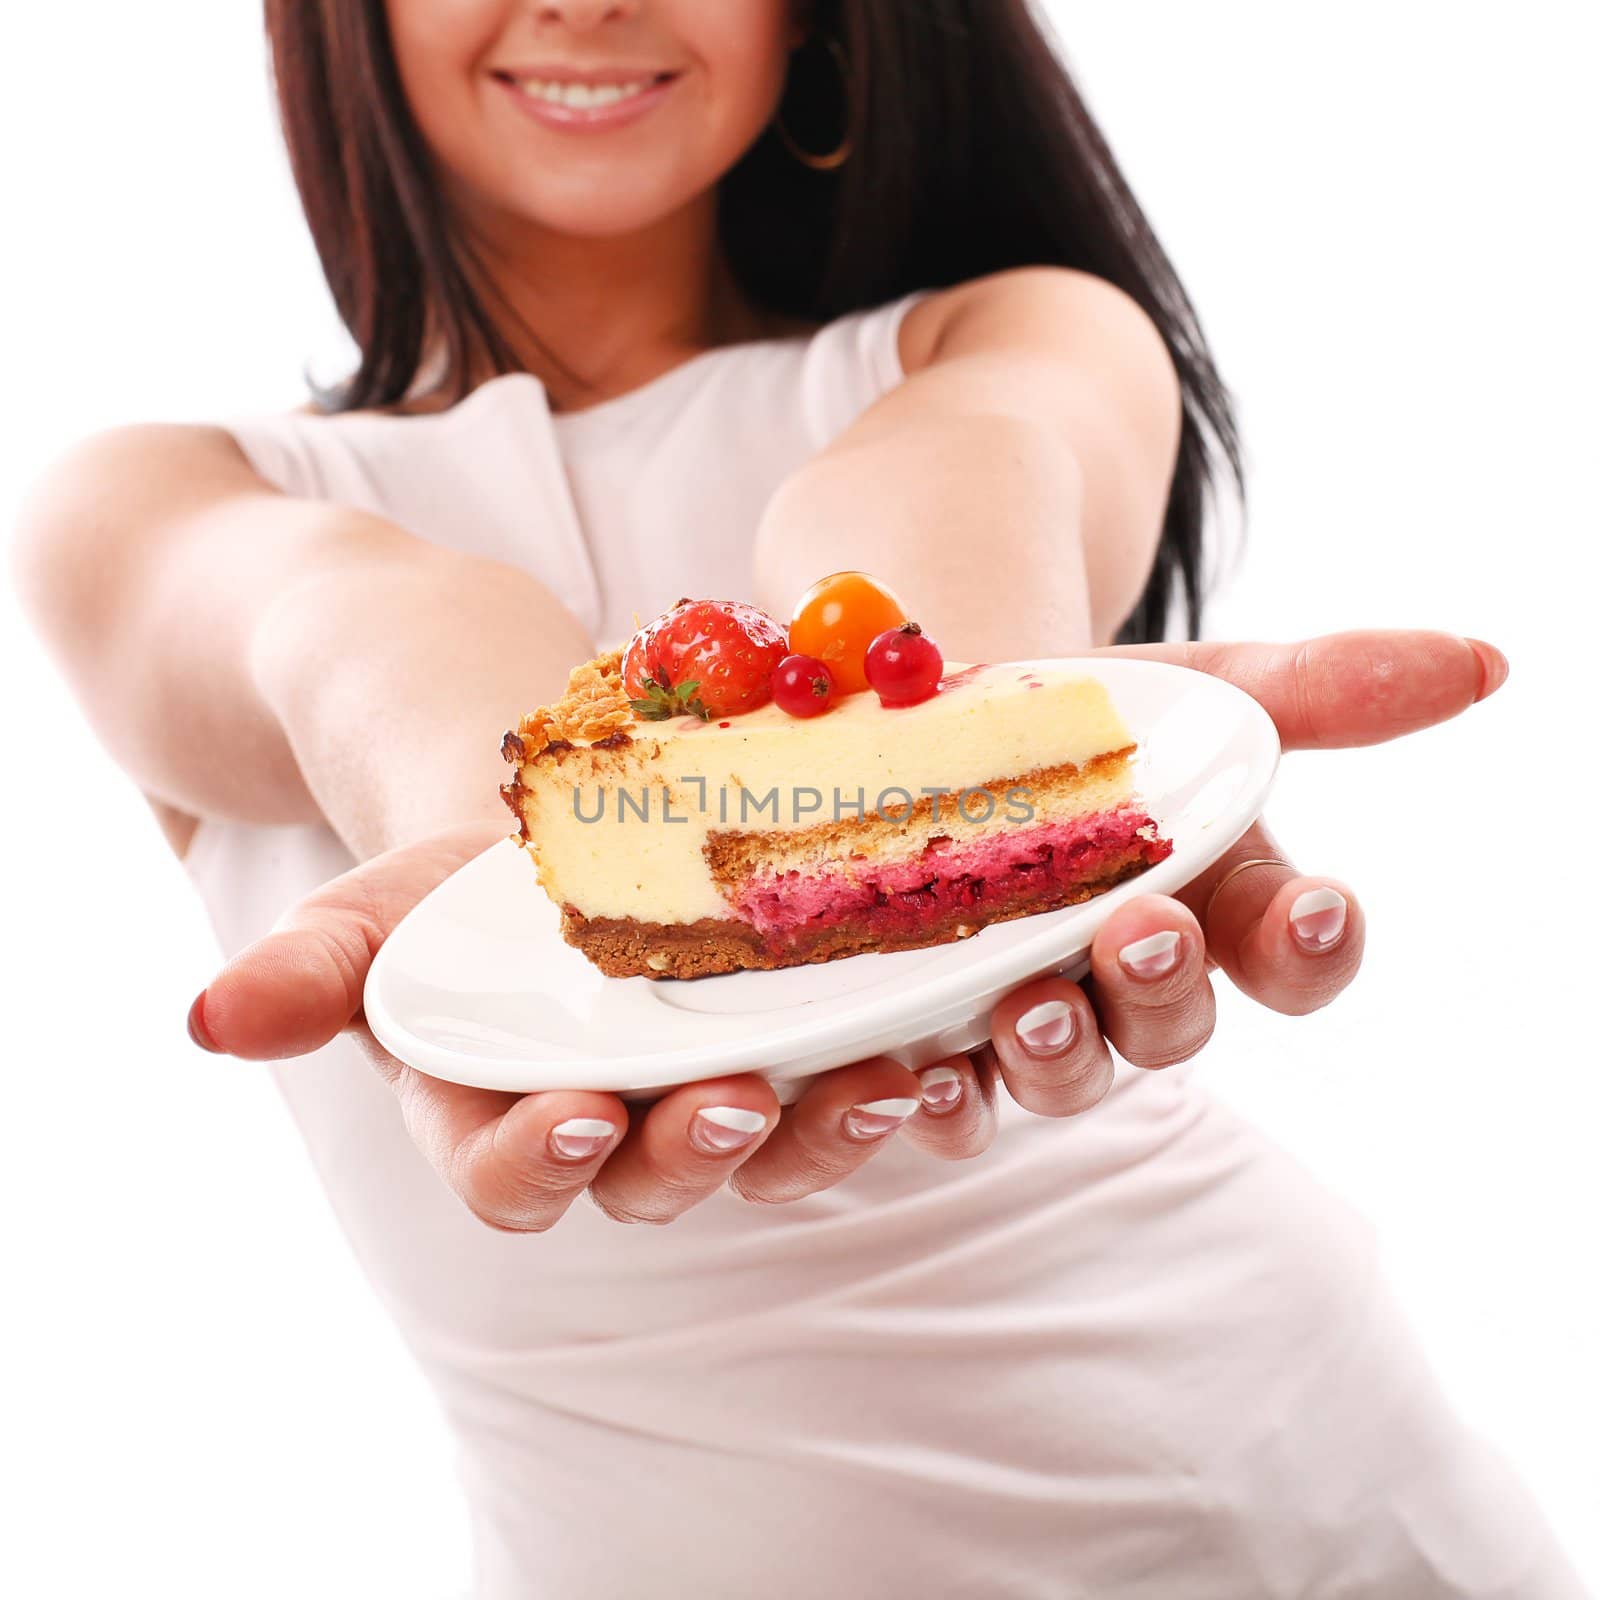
[(1289, 940), (518, 1161)]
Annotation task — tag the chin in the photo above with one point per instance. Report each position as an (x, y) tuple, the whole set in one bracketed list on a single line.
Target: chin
[(587, 220), (599, 199)]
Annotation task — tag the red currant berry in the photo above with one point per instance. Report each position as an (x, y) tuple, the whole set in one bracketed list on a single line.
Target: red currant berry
[(904, 665), (802, 686)]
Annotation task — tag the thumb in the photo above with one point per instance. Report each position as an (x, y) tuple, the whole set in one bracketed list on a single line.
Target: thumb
[(1343, 689), (300, 985), (288, 993)]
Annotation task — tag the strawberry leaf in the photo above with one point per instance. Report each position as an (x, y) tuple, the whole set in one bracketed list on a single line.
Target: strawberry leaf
[(661, 701)]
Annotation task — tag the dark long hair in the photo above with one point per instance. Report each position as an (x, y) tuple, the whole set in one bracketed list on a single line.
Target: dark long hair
[(972, 151)]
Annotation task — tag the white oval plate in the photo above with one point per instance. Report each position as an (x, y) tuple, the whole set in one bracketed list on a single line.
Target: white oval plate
[(477, 985)]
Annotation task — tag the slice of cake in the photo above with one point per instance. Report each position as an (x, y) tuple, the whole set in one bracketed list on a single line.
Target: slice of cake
[(682, 836)]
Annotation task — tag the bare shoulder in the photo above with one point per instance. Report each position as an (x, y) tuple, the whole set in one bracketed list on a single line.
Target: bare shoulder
[(143, 464), (140, 451), (139, 469), (91, 509), (1041, 310), (128, 479)]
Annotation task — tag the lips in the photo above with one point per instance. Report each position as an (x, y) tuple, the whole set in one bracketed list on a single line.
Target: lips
[(576, 100), (577, 96)]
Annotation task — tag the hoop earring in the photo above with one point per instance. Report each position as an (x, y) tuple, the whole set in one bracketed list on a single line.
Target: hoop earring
[(829, 160)]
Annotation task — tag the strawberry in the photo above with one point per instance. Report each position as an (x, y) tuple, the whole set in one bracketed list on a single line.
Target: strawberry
[(703, 658)]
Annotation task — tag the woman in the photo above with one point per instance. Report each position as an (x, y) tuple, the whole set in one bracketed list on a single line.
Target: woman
[(657, 298)]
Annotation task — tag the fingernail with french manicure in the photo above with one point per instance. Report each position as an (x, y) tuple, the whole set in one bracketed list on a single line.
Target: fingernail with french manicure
[(942, 1088), (877, 1117), (720, 1130), (579, 1138), (1047, 1029), (1316, 919), (1152, 957)]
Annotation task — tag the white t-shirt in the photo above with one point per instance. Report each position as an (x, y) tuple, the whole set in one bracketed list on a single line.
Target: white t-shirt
[(1134, 1355)]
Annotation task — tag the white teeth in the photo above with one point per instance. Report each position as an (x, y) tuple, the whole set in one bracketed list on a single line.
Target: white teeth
[(581, 96)]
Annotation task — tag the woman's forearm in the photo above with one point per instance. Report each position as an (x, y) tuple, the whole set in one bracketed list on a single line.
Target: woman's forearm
[(394, 680), (244, 654), (1014, 484), (978, 521)]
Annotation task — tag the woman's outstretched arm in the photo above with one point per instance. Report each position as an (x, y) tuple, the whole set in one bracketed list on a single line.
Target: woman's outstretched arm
[(1014, 485), (249, 655), (244, 654)]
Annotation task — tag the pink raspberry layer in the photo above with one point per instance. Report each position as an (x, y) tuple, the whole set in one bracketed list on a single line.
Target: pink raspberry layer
[(1004, 869)]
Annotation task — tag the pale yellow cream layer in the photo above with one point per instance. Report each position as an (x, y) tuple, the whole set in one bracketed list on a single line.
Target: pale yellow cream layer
[(620, 833)]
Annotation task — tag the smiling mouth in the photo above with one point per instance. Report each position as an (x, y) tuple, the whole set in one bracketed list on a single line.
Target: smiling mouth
[(585, 93)]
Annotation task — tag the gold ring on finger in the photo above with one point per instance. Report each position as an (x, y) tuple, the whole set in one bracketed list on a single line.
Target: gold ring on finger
[(1233, 872)]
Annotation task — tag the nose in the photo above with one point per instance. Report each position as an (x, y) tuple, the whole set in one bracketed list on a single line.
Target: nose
[(583, 14)]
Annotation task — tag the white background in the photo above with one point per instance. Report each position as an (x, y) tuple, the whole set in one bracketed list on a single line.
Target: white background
[(1378, 209)]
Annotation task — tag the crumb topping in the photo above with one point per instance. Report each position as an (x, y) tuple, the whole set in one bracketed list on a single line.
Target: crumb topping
[(594, 708)]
